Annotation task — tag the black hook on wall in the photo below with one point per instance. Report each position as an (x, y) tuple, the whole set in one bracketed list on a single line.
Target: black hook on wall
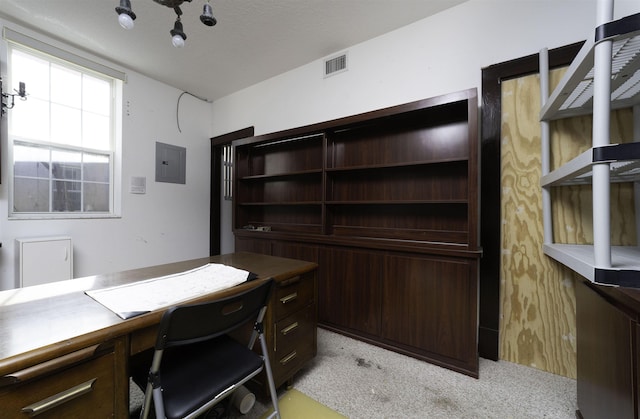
[(21, 92)]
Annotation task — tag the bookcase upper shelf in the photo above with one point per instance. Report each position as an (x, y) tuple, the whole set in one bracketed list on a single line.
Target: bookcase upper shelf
[(407, 175)]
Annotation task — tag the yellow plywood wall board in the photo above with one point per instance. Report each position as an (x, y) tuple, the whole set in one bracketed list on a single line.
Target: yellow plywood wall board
[(537, 325)]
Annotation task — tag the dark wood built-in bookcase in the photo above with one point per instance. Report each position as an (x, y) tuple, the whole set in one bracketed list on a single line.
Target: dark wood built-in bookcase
[(386, 203)]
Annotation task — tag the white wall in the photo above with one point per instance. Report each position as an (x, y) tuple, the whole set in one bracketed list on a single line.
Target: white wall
[(441, 54), (168, 223), (437, 55)]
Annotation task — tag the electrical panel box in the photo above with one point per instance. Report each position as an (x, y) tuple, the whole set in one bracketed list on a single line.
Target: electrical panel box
[(171, 163)]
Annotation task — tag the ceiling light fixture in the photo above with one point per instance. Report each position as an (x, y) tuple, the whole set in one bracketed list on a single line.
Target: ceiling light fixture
[(177, 33), (126, 16)]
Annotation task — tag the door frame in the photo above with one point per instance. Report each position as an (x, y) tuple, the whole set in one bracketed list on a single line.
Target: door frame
[(490, 186), (215, 214)]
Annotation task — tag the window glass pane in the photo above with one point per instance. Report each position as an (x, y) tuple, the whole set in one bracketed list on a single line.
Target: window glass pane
[(66, 196), (65, 125), (61, 137), (95, 131), (96, 95), (24, 117), (96, 168), (96, 197), (66, 86), (33, 71), (30, 195), (66, 165), (30, 161)]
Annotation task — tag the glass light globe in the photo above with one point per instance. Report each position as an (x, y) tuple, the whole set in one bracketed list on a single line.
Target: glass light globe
[(177, 41), (125, 21)]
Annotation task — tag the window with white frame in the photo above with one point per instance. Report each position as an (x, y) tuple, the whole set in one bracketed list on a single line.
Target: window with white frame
[(62, 138)]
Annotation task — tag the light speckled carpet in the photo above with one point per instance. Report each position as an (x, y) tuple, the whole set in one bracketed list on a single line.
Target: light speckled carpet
[(361, 381)]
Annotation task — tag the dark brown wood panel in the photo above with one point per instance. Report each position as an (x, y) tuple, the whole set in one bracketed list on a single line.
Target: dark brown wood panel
[(253, 246), (605, 358), (349, 290), (302, 188), (429, 304), (432, 183), (422, 141), (438, 222), (294, 250), (284, 156)]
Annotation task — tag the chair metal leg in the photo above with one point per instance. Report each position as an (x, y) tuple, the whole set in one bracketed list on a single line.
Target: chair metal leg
[(272, 386), (144, 413), (157, 402), (153, 390)]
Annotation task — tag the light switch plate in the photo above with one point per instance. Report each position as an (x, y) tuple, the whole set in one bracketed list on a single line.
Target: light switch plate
[(138, 185)]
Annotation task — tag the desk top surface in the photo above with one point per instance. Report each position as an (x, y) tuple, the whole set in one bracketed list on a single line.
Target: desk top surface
[(45, 321)]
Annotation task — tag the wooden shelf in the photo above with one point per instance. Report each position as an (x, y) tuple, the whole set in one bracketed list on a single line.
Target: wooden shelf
[(400, 202), (411, 168), (283, 175), (290, 203), (414, 164), (431, 236)]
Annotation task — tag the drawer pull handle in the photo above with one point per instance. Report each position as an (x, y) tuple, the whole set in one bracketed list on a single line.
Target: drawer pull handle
[(288, 298), (290, 328), (57, 399), (288, 358)]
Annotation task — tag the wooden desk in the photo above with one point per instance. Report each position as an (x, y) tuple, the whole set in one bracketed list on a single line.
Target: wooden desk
[(57, 342)]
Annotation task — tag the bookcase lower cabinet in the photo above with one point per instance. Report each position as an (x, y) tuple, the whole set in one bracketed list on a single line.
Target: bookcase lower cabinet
[(429, 306), (386, 203), (424, 306)]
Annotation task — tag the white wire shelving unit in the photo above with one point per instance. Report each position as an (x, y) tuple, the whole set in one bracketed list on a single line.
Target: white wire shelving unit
[(605, 75)]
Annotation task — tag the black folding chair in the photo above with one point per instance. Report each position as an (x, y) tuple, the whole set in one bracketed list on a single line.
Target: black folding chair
[(196, 365)]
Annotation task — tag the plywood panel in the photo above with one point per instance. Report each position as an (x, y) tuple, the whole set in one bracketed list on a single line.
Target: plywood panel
[(538, 326)]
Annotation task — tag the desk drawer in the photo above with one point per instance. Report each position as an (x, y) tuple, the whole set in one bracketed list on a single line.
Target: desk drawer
[(70, 393), (294, 341), (293, 295)]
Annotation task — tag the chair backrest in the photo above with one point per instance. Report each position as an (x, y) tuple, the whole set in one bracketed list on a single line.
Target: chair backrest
[(192, 323)]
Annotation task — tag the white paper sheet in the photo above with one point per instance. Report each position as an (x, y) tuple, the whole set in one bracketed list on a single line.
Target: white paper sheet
[(141, 297)]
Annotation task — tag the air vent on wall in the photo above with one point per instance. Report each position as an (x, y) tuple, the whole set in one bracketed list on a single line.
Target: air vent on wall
[(335, 65)]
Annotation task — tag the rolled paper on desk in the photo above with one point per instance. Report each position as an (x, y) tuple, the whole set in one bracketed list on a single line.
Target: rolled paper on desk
[(141, 297)]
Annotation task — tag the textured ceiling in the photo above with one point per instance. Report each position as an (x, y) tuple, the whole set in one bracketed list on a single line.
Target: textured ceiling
[(252, 41)]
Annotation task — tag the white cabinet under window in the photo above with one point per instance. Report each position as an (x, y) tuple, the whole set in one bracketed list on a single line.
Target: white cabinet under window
[(44, 259)]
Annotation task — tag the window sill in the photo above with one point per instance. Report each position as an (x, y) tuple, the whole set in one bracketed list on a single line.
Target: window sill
[(64, 216)]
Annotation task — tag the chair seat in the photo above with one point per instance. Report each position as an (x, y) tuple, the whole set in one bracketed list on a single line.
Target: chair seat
[(194, 374)]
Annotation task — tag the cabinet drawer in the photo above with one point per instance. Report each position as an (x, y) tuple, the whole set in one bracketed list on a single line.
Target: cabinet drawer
[(293, 295), (294, 341), (70, 393)]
